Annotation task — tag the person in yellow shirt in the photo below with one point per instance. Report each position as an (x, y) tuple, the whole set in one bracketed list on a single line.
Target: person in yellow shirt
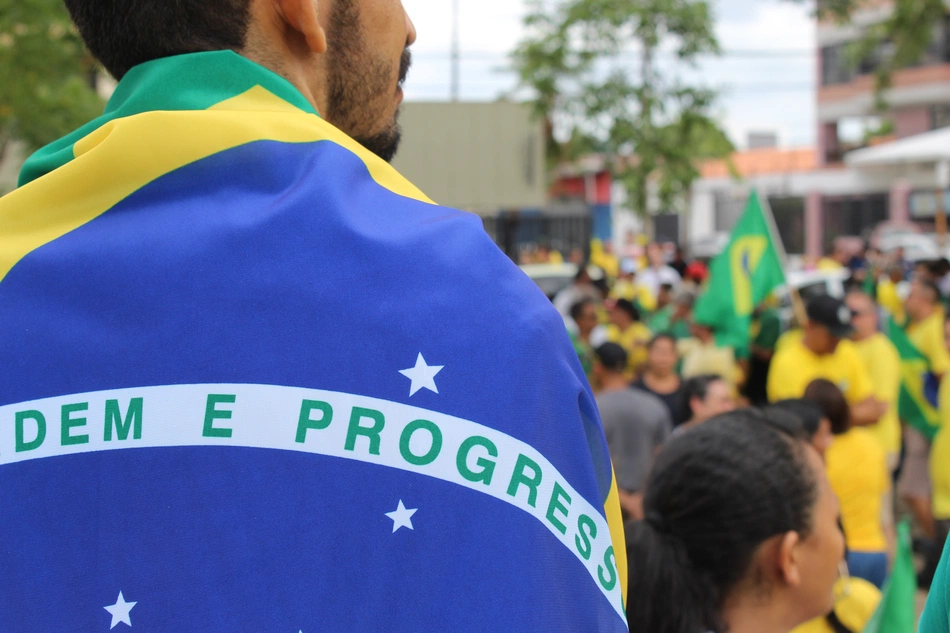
[(883, 364), (626, 330), (925, 330), (626, 287), (858, 472), (855, 602), (888, 294), (701, 356), (821, 352)]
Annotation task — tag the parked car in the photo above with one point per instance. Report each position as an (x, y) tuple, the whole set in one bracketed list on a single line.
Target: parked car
[(810, 284), (551, 278)]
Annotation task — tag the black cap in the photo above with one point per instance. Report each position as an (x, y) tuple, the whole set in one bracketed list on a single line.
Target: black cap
[(832, 313), (612, 357)]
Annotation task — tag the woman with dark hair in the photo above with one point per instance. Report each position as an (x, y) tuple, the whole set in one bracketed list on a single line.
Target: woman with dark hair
[(857, 469), (660, 377), (741, 533), (816, 427)]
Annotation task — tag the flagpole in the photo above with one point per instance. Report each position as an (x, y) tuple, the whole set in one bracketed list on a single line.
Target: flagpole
[(798, 306)]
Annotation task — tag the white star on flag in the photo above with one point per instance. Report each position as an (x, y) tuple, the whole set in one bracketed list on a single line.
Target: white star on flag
[(401, 516), (120, 611), (422, 376)]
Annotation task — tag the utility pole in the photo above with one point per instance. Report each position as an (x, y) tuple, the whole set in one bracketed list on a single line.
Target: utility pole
[(456, 53)]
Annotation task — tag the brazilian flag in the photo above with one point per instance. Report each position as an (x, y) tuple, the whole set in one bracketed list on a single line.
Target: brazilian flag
[(917, 405), (741, 277), (896, 613)]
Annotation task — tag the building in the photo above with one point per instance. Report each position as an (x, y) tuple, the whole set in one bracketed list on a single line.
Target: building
[(838, 190), (489, 158)]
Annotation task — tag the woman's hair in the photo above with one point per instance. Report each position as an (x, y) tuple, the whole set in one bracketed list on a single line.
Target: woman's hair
[(698, 387), (714, 496), (832, 403), (806, 412)]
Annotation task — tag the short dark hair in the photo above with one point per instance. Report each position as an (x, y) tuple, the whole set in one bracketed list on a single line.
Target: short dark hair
[(662, 336), (698, 387), (122, 34), (832, 403), (627, 306), (714, 496), (612, 357), (578, 308), (806, 412)]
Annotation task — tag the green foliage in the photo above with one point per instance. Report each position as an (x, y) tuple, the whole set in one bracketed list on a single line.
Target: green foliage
[(656, 127), (45, 73)]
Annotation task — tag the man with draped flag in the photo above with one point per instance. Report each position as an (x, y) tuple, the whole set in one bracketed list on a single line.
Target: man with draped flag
[(741, 277), (252, 379), (915, 406)]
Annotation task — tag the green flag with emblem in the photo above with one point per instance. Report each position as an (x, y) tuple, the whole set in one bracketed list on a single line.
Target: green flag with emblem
[(914, 407), (741, 277)]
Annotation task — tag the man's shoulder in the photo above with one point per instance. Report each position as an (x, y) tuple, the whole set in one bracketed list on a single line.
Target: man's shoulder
[(638, 402), (883, 345)]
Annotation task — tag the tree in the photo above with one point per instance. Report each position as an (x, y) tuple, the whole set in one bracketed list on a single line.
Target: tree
[(655, 127), (46, 75), (908, 31)]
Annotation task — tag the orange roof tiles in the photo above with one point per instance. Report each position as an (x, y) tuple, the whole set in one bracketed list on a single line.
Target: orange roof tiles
[(762, 161)]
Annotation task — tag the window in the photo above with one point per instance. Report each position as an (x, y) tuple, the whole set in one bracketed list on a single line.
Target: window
[(729, 208), (789, 213)]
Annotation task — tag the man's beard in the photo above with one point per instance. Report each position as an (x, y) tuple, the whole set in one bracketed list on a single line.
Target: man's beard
[(360, 90)]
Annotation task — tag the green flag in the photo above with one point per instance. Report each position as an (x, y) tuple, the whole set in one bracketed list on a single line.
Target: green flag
[(741, 277), (913, 407), (896, 612)]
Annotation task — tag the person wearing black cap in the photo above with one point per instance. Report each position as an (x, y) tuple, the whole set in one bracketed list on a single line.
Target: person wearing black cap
[(635, 424), (823, 351)]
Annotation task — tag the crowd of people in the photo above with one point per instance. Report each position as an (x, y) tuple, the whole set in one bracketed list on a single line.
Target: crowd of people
[(711, 436)]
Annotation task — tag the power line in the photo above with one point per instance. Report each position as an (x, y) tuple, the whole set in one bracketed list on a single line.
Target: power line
[(733, 53)]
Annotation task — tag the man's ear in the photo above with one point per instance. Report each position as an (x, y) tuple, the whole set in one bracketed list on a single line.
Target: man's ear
[(303, 17)]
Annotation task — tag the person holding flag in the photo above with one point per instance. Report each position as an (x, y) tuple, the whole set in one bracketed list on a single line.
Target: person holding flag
[(741, 277), (923, 374), (250, 378)]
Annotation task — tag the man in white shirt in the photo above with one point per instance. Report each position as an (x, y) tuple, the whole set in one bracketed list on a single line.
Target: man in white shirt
[(658, 272)]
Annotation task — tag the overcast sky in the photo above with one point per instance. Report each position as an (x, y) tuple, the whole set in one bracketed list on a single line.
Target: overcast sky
[(767, 73)]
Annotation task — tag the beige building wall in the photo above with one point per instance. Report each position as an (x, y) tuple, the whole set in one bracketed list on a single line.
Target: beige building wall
[(480, 157)]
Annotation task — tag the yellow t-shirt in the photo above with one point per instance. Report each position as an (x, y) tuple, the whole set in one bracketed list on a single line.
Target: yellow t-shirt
[(889, 299), (857, 470), (940, 458), (634, 340), (826, 263), (855, 602), (928, 337), (635, 293), (883, 364), (794, 367), (792, 336), (699, 359)]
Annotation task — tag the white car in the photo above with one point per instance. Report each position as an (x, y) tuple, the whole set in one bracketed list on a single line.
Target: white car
[(810, 284), (551, 278)]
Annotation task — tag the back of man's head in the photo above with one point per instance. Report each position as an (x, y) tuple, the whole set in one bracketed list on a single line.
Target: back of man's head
[(612, 357), (123, 34)]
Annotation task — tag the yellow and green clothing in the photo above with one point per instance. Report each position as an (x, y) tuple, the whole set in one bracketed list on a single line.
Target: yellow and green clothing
[(883, 365)]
